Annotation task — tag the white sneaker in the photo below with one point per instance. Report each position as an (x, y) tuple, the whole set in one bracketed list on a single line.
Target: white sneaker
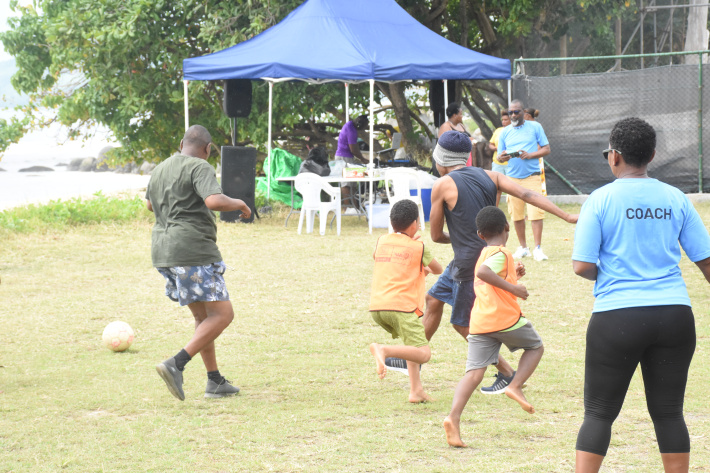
[(538, 254), (521, 253)]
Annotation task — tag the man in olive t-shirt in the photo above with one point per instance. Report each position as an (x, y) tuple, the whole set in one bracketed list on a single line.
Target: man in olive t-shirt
[(182, 192)]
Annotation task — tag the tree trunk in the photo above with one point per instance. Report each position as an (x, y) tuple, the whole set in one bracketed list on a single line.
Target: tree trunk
[(395, 93), (486, 29), (617, 41), (697, 35), (579, 49), (563, 53), (485, 108), (463, 13)]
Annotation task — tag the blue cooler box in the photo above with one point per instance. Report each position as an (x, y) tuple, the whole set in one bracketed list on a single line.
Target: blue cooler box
[(380, 215), (426, 201)]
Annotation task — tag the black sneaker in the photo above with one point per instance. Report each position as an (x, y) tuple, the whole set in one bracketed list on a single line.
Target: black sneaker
[(223, 389), (499, 385), (397, 364), (172, 377)]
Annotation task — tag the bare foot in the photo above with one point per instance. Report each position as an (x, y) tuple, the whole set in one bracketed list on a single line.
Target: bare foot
[(518, 396), (379, 359), (453, 434), (419, 397)]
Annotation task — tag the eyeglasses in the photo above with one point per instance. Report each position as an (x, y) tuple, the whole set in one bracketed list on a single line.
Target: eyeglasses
[(514, 112), (606, 152)]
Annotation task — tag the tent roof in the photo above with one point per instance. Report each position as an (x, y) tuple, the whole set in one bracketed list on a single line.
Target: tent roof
[(347, 40)]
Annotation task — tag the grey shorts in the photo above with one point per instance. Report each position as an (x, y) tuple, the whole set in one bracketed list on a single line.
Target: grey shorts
[(188, 284), (483, 349)]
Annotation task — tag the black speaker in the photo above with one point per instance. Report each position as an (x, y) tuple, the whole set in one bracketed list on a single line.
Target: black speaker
[(239, 179), (436, 99), (237, 98)]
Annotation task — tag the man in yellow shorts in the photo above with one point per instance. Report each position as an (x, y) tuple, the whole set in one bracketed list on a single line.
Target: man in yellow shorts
[(521, 144)]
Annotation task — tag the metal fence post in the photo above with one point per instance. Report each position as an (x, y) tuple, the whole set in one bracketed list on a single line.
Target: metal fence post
[(700, 123)]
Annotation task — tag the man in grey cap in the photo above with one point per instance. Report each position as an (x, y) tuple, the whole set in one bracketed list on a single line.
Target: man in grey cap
[(456, 198)]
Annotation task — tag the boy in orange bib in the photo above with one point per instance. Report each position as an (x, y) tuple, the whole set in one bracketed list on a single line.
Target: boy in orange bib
[(496, 319), (397, 296)]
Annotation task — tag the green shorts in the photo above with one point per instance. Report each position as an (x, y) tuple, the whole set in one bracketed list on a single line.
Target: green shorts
[(408, 326)]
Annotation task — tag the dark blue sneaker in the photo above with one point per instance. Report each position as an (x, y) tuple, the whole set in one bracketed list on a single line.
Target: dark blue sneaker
[(397, 364), (499, 385), (172, 377)]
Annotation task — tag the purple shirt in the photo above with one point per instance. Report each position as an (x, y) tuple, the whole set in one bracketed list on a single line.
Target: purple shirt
[(348, 136)]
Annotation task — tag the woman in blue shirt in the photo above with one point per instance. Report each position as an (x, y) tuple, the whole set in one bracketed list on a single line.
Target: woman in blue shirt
[(628, 241)]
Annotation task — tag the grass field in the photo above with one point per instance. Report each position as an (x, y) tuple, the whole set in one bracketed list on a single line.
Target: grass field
[(298, 349)]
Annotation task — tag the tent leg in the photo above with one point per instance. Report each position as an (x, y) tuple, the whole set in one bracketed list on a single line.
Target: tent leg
[(347, 102), (510, 90), (268, 144), (187, 109), (446, 94), (371, 167)]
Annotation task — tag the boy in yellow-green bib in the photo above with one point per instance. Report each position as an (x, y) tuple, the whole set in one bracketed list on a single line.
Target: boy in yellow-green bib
[(496, 319), (397, 296)]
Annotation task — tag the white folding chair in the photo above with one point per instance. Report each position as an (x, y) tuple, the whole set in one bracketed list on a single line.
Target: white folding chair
[(310, 185), (398, 184)]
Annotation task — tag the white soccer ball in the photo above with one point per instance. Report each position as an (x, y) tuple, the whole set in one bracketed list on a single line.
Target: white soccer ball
[(118, 336)]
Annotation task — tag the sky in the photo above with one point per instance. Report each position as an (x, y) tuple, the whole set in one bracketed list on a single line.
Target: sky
[(5, 13)]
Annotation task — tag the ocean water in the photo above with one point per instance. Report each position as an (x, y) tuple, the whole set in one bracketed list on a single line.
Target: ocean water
[(45, 148)]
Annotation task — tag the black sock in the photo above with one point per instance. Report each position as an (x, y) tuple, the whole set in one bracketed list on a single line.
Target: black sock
[(181, 359), (215, 376)]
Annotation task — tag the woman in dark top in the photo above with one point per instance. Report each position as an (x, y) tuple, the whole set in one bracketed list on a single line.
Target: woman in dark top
[(455, 120)]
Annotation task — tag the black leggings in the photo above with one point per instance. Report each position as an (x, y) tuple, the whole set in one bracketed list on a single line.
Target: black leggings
[(662, 339)]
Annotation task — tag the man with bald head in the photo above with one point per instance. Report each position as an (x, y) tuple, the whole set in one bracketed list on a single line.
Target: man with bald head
[(182, 192), (521, 144)]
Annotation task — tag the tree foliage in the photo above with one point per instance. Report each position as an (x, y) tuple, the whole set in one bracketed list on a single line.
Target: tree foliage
[(119, 63)]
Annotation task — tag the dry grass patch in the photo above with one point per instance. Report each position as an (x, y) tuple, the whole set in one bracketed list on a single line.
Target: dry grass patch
[(298, 348)]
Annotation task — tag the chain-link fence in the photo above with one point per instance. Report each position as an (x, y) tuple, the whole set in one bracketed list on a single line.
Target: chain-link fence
[(578, 110)]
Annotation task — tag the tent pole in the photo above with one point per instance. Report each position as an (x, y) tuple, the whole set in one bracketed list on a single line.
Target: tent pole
[(347, 102), (372, 137), (268, 144), (187, 109), (510, 86), (446, 95)]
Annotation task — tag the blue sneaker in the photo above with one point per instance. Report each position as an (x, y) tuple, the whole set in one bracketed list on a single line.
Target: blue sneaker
[(172, 377)]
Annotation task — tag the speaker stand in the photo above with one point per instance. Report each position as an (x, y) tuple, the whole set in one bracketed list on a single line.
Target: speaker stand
[(234, 131)]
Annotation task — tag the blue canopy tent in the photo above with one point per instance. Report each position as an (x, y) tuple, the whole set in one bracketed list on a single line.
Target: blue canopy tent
[(347, 41)]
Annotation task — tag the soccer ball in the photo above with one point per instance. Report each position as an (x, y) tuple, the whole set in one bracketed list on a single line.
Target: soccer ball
[(118, 336)]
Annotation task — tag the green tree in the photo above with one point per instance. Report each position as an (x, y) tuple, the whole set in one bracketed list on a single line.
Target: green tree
[(119, 63)]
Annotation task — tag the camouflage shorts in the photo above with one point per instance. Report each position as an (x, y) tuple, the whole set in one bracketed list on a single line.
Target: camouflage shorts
[(188, 284)]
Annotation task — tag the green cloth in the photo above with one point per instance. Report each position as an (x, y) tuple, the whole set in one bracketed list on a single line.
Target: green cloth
[(520, 323), (283, 164), (185, 231)]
